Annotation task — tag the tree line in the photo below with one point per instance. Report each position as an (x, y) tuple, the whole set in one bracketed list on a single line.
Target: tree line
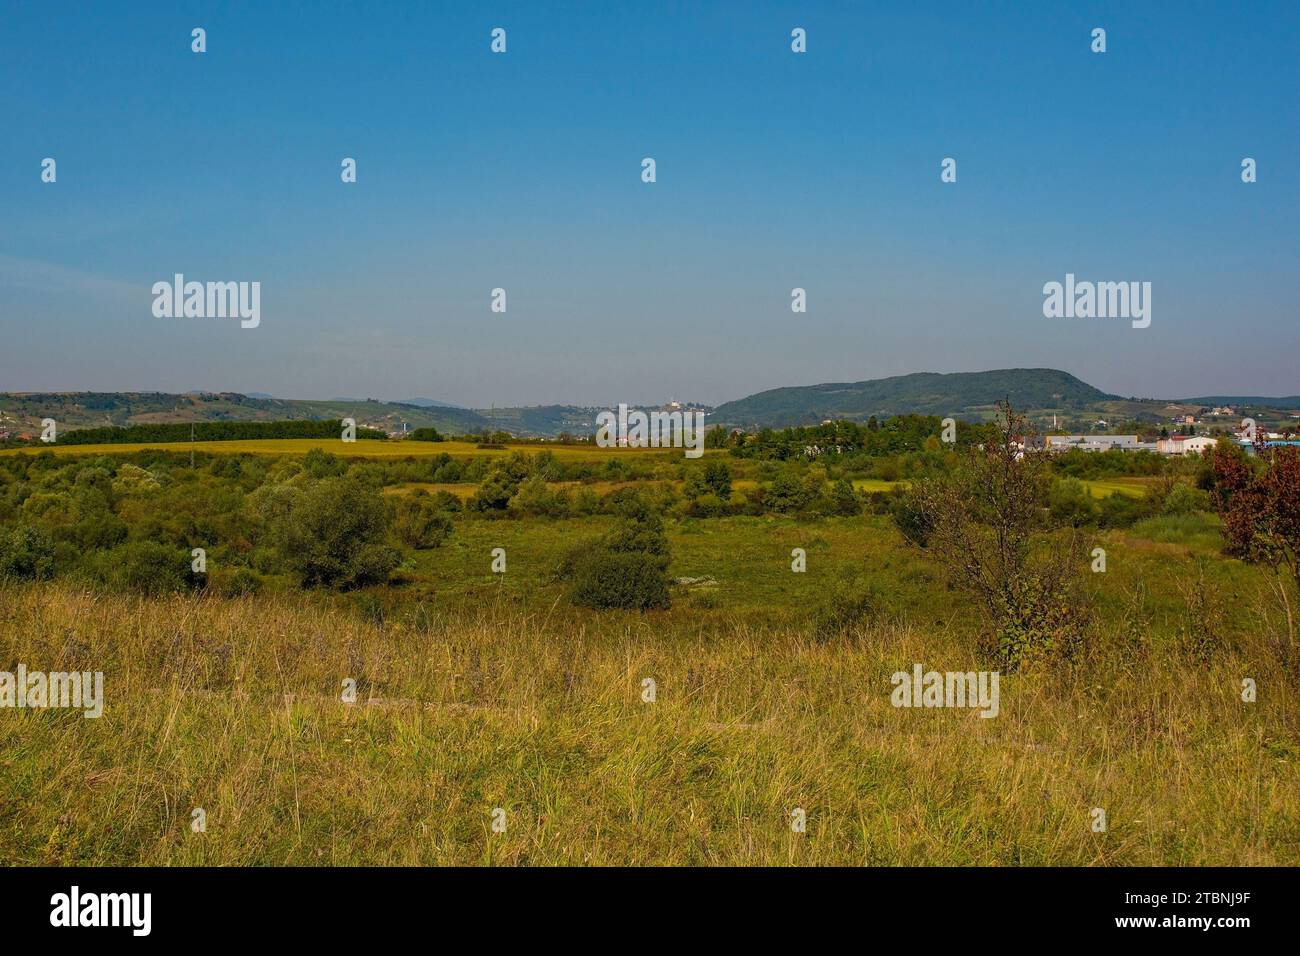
[(212, 431)]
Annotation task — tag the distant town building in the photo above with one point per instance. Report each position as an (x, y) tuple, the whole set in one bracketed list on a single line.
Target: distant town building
[(1185, 445), (1093, 442)]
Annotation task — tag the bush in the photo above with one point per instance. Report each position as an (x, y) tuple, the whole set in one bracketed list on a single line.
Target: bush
[(1044, 621), (1119, 511), (535, 499), (911, 520), (99, 530), (707, 505), (333, 536), (1070, 503), (627, 568), (241, 582), (132, 480), (1183, 499), (26, 552), (446, 501), (146, 566), (619, 579), (717, 478), (852, 600), (418, 522), (321, 464), (785, 494), (981, 519), (844, 499), (494, 493)]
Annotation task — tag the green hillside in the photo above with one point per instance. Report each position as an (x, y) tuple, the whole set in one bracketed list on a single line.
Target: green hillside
[(1048, 396), (542, 419), (1288, 401), (21, 411), (970, 394)]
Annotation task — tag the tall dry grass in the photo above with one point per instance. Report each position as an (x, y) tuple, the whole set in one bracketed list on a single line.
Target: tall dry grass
[(234, 706)]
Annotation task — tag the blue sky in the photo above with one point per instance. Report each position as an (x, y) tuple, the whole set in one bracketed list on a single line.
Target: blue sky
[(522, 171)]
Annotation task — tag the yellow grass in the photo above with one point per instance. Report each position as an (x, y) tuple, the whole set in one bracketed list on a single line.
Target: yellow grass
[(1105, 487), (875, 484), (361, 448), (233, 706)]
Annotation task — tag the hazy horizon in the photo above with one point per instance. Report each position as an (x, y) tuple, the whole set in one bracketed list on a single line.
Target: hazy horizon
[(646, 400)]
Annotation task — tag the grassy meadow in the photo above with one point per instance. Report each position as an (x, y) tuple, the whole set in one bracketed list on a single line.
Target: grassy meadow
[(478, 690)]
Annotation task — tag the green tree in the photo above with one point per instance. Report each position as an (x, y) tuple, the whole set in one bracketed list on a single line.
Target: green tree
[(26, 552), (844, 498), (717, 476), (334, 536)]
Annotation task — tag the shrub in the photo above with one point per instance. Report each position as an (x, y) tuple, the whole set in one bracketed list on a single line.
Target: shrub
[(707, 505), (1183, 499), (717, 478), (147, 566), (1119, 511), (585, 502), (99, 530), (321, 464), (851, 600), (1070, 503), (844, 500), (418, 522), (1045, 620), (785, 494), (627, 568), (981, 519), (333, 536), (26, 552), (446, 501), (535, 498), (619, 579), (494, 493), (912, 521), (242, 581), (132, 480)]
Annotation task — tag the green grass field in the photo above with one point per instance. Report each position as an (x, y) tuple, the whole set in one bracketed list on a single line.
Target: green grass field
[(1129, 487), (872, 485), (481, 690)]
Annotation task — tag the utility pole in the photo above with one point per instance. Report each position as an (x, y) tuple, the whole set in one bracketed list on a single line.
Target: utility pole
[(191, 446)]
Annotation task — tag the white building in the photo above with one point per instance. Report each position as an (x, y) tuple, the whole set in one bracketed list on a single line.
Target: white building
[(1185, 445), (1094, 442)]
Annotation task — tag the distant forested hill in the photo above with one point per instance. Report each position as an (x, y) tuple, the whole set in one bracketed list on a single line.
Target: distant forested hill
[(23, 411), (1288, 401), (73, 410), (922, 393), (1050, 397)]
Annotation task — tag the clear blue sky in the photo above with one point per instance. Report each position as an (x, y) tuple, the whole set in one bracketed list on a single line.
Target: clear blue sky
[(522, 171)]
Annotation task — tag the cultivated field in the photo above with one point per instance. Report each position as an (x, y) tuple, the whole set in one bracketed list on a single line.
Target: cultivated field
[(361, 448)]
